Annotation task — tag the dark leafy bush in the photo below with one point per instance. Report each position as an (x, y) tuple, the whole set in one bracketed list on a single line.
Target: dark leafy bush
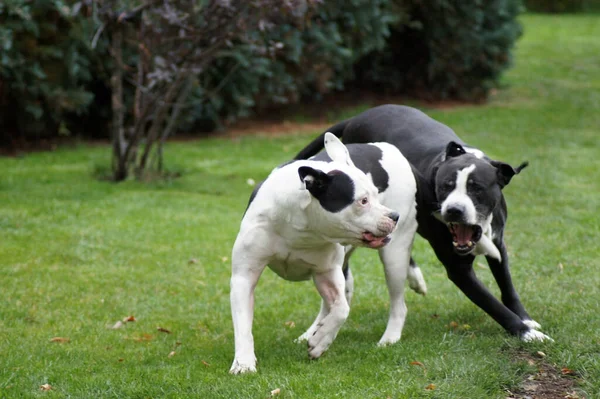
[(44, 65), (305, 58), (447, 49), (562, 6), (434, 49)]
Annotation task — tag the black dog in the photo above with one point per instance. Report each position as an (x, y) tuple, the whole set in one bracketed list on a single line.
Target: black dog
[(461, 209)]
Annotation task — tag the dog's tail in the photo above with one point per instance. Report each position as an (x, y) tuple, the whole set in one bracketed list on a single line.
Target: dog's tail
[(318, 144)]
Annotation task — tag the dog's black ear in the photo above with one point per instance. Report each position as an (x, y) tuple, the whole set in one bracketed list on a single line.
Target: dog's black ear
[(505, 172), (453, 149), (316, 181)]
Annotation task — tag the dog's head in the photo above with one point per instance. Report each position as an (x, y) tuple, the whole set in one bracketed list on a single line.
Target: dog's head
[(347, 209), (468, 188)]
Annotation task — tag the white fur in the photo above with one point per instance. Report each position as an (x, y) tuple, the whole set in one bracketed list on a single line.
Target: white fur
[(286, 228), (459, 196), (476, 152), (532, 324), (400, 196), (416, 281), (486, 246), (535, 335)]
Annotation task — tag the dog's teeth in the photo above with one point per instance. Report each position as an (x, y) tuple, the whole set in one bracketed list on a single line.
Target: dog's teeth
[(470, 243), (455, 243)]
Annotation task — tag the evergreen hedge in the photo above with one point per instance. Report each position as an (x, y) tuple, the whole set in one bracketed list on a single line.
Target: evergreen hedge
[(563, 6), (435, 49)]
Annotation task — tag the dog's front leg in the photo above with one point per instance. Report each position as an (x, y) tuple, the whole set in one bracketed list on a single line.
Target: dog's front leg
[(349, 291), (510, 298), (330, 285), (464, 277), (396, 259), (243, 281)]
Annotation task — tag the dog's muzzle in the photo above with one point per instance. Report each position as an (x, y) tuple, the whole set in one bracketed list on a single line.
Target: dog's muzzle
[(385, 228)]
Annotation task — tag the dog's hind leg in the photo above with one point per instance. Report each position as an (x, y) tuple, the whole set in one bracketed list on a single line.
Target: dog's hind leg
[(348, 273), (311, 330), (415, 278)]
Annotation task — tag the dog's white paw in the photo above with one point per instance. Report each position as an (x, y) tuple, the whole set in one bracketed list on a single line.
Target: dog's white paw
[(388, 340), (319, 342), (532, 324), (240, 367), (416, 282), (535, 335), (302, 338)]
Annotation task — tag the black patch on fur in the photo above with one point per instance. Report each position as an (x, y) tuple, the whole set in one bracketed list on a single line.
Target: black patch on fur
[(334, 190), (253, 195), (367, 158)]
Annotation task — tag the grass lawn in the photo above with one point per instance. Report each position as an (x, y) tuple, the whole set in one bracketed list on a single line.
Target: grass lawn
[(78, 254)]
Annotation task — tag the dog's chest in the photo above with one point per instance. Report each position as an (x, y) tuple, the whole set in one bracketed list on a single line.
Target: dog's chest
[(291, 269), (299, 265)]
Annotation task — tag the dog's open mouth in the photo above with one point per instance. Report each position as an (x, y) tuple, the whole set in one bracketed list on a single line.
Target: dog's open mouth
[(373, 241), (464, 237)]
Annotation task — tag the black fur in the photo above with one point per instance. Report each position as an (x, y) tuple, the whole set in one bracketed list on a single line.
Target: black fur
[(334, 190), (366, 158), (427, 144)]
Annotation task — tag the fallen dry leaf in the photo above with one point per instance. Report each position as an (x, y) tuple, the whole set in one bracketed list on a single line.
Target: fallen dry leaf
[(224, 258), (420, 365), (290, 324), (121, 360), (567, 371), (205, 363), (60, 340), (192, 261), (161, 329), (435, 316), (453, 324), (560, 267), (129, 319), (144, 337), (117, 325), (430, 387), (540, 354), (46, 387), (275, 391), (171, 354)]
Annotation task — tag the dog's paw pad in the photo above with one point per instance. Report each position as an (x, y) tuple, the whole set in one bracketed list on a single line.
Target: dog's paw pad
[(535, 335), (532, 324)]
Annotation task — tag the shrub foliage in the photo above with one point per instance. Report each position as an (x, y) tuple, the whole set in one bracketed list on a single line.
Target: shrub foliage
[(435, 49)]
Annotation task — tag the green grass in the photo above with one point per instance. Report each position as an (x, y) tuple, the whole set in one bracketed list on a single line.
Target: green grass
[(78, 254)]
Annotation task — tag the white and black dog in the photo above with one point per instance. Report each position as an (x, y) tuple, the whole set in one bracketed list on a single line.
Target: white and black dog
[(461, 208), (299, 220)]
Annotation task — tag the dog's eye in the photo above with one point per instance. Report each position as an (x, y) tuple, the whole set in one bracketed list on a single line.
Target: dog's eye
[(449, 184), (473, 186), (364, 201)]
